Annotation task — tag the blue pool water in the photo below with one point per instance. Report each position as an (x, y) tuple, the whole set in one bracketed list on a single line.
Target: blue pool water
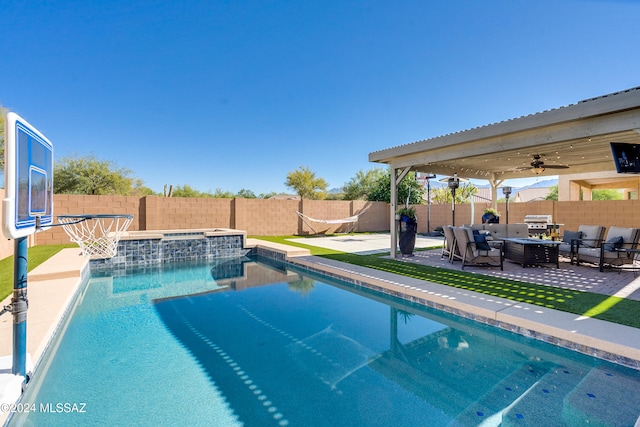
[(264, 345)]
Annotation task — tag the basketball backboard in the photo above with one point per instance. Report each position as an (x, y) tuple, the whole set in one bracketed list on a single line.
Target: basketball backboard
[(28, 178)]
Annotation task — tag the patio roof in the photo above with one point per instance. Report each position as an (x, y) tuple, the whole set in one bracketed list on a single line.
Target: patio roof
[(576, 135)]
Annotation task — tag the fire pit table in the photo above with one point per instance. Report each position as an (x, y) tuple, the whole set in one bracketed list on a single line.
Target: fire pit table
[(531, 251)]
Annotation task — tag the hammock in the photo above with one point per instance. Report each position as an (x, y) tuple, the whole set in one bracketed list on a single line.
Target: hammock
[(350, 220)]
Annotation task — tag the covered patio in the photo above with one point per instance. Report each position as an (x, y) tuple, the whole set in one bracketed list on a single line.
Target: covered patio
[(574, 139)]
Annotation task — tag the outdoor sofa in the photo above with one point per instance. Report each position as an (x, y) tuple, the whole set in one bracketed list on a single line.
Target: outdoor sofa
[(498, 232)]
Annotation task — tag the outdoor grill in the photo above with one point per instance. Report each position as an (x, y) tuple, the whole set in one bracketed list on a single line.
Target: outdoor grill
[(538, 223)]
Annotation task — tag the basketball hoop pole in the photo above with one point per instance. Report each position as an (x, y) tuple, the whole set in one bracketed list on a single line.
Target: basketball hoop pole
[(28, 199), (19, 305)]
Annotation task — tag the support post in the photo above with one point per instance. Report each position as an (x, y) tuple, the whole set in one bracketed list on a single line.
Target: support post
[(19, 305), (429, 204), (396, 179), (393, 205), (495, 183)]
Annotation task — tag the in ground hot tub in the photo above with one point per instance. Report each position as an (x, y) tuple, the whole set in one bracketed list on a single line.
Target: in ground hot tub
[(153, 247)]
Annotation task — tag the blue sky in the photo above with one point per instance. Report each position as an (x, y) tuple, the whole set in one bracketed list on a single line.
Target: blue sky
[(236, 94)]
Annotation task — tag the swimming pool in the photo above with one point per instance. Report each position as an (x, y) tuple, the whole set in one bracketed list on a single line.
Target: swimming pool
[(267, 344)]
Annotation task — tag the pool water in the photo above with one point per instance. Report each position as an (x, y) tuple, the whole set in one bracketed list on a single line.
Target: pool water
[(252, 343)]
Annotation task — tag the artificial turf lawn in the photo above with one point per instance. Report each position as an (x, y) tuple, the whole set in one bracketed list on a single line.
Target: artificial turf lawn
[(315, 250), (36, 256), (604, 307)]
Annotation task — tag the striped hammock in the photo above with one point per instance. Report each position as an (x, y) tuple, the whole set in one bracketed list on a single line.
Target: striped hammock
[(350, 220)]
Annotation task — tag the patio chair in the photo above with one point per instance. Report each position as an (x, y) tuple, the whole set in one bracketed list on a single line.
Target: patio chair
[(475, 252), (449, 249), (588, 236), (611, 250)]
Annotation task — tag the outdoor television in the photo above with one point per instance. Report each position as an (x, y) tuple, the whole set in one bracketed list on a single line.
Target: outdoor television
[(626, 157)]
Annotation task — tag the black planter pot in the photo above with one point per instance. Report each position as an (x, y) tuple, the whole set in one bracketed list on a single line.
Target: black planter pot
[(490, 218), (408, 229)]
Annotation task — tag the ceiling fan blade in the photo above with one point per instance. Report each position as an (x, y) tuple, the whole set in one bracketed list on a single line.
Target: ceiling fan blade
[(555, 166), (537, 163)]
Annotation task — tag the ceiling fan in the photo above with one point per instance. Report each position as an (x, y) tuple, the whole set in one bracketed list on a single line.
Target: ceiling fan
[(538, 166)]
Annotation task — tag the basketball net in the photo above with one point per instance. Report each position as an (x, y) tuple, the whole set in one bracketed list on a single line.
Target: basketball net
[(97, 236)]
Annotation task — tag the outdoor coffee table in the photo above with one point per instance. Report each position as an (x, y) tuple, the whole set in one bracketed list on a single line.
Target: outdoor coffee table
[(531, 251)]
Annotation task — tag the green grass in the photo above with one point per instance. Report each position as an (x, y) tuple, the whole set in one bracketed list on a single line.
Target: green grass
[(604, 307), (37, 255), (315, 250)]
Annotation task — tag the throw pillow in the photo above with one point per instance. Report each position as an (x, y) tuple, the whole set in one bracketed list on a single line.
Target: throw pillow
[(613, 243), (571, 235), (481, 242)]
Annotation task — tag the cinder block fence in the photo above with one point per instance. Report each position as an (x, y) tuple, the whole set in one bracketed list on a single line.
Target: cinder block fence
[(278, 217)]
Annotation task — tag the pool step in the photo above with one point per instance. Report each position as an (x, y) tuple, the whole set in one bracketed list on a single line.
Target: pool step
[(586, 399), (542, 403), (487, 410)]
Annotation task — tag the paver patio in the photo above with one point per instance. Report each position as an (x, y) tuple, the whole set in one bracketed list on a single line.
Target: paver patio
[(623, 283)]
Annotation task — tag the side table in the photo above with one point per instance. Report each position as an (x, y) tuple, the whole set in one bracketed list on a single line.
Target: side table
[(633, 253)]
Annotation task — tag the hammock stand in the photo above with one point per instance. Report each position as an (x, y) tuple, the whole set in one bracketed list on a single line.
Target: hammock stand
[(353, 220)]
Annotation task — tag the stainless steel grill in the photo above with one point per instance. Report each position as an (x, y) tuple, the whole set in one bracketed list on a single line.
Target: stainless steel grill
[(538, 223)]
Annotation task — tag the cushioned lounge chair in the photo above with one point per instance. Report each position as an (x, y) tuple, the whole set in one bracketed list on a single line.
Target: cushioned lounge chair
[(476, 253), (588, 236), (610, 251)]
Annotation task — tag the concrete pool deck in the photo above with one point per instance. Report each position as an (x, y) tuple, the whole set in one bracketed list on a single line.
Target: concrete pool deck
[(52, 285), (50, 288)]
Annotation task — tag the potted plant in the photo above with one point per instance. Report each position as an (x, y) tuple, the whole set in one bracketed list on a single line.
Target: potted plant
[(408, 228), (490, 216)]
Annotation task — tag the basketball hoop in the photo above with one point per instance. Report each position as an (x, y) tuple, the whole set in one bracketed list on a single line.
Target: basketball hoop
[(97, 235)]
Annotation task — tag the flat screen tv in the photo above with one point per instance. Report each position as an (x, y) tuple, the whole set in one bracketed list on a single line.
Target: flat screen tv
[(626, 157)]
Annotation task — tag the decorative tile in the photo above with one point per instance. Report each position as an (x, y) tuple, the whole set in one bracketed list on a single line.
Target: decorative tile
[(149, 252)]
